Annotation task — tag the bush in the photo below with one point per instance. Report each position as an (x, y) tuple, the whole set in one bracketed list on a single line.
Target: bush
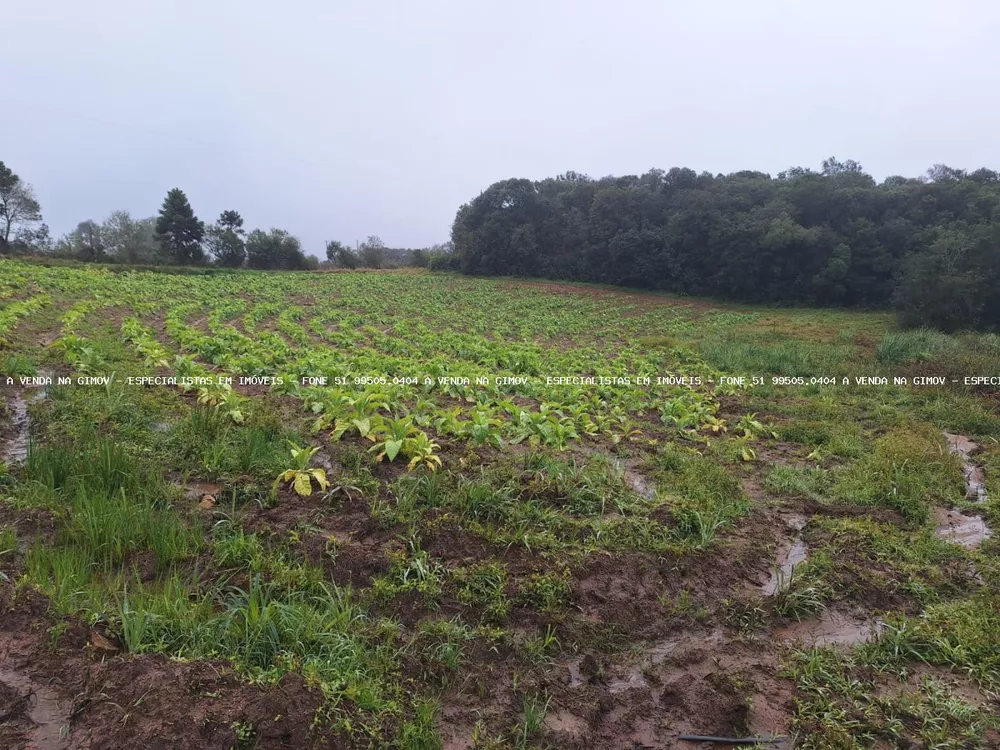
[(443, 262)]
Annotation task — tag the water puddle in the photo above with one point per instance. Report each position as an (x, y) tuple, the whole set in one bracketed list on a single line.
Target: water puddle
[(975, 481), (632, 681), (791, 552), (47, 712), (958, 528), (659, 652), (41, 391), (563, 721), (575, 675), (15, 448), (829, 629), (639, 484)]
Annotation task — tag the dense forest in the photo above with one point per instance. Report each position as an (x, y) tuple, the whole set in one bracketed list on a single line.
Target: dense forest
[(929, 246)]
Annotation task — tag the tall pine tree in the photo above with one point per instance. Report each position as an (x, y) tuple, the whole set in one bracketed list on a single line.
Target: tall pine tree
[(179, 231)]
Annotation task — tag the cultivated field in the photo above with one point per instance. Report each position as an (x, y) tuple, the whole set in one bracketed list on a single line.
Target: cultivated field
[(505, 563)]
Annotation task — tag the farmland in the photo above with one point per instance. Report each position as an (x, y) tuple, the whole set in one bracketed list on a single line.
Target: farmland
[(412, 510)]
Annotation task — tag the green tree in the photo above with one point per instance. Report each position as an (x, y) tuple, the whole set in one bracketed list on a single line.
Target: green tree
[(226, 240), (85, 243), (179, 231), (20, 211), (275, 250), (831, 237), (932, 292), (419, 258), (372, 252), (129, 240), (341, 255)]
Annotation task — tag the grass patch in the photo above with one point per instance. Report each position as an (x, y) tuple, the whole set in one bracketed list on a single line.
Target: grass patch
[(908, 470), (917, 345)]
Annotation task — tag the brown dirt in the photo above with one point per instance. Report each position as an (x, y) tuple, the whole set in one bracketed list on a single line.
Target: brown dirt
[(96, 699)]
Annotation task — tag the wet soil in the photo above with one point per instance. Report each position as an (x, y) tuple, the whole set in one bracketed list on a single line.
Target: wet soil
[(73, 695), (975, 481), (14, 449), (47, 714), (968, 531), (831, 628), (14, 435), (697, 681), (791, 552)]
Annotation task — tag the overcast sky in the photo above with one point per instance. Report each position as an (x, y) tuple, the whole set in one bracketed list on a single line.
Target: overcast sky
[(339, 119)]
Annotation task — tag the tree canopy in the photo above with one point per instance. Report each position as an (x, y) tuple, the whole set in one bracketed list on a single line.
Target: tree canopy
[(226, 240), (20, 212), (833, 237), (275, 250)]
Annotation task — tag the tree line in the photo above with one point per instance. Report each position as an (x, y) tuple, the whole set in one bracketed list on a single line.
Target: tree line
[(176, 236), (930, 246)]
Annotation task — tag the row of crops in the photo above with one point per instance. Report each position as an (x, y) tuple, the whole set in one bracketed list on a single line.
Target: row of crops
[(402, 354)]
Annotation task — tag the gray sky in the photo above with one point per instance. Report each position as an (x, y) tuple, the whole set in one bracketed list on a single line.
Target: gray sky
[(335, 120)]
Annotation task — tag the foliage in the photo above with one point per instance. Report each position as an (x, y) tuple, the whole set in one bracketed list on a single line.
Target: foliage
[(274, 250), (833, 237), (341, 255), (301, 476), (225, 240), (179, 231), (19, 208), (129, 240), (372, 252)]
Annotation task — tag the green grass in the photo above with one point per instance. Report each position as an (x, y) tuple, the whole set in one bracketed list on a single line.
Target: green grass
[(917, 345), (908, 470), (790, 357), (837, 709), (963, 634), (8, 541)]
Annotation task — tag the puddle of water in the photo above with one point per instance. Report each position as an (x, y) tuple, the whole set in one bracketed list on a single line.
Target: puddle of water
[(829, 629), (633, 681), (575, 675), (15, 450), (42, 391), (975, 481), (789, 555), (639, 484), (563, 721), (49, 714), (662, 649), (636, 481), (956, 527)]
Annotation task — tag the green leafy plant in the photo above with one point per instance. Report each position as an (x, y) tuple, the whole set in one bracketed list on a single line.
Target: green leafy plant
[(301, 476)]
